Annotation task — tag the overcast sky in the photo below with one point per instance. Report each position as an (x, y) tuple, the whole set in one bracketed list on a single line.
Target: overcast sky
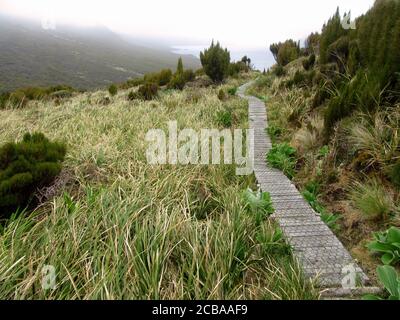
[(245, 23)]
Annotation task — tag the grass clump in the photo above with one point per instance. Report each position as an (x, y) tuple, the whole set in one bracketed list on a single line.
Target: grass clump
[(224, 118), (372, 199), (26, 166), (130, 230), (148, 91), (282, 156)]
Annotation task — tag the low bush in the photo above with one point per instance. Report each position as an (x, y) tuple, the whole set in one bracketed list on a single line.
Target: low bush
[(388, 245), (148, 91), (189, 75), (26, 166), (279, 71), (232, 91), (394, 174), (177, 82), (221, 95), (113, 90), (309, 62), (282, 156)]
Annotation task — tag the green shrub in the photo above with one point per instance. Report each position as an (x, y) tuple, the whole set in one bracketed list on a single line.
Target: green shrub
[(394, 174), (4, 97), (215, 62), (177, 82), (232, 91), (161, 78), (258, 204), (26, 166), (148, 91), (224, 118), (221, 95), (279, 71), (113, 90), (282, 156), (388, 244), (390, 280), (309, 62), (189, 75), (133, 83)]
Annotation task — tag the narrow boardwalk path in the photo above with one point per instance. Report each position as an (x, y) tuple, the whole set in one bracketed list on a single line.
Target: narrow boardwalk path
[(319, 251)]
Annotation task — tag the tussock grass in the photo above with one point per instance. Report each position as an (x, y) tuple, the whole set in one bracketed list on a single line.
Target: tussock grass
[(123, 229), (372, 199)]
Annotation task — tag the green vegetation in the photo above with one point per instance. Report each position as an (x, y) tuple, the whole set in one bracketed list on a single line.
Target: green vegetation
[(387, 243), (148, 91), (285, 52), (26, 166), (113, 90), (336, 103), (391, 282), (372, 200), (259, 204), (20, 97), (215, 61), (170, 232), (282, 156)]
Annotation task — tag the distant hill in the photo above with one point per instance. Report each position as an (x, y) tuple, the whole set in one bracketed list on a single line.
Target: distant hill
[(84, 58)]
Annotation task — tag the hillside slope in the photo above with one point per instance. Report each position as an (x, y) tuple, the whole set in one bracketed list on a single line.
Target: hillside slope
[(85, 58)]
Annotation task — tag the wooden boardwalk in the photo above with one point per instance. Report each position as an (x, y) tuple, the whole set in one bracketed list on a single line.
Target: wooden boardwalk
[(318, 250)]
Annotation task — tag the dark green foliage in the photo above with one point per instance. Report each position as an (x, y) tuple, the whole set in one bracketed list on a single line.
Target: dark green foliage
[(224, 118), (215, 61), (164, 77), (113, 90), (179, 68), (285, 52), (331, 32), (26, 166), (177, 82), (221, 95), (232, 91), (394, 174), (320, 96), (4, 99), (189, 75), (148, 91), (312, 43), (279, 71), (161, 78), (236, 67), (309, 62), (282, 156)]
